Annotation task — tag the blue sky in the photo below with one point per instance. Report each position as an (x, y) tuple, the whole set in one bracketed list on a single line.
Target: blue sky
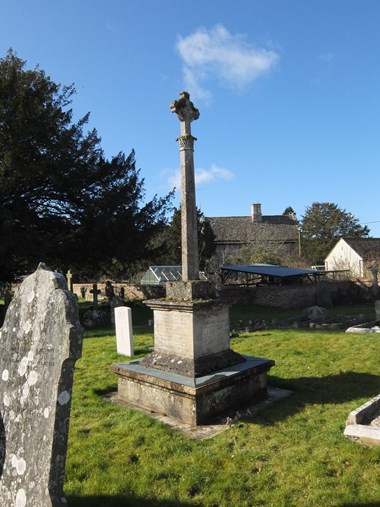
[(288, 92)]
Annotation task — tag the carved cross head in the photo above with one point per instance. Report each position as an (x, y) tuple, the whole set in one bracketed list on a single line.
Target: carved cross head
[(184, 108)]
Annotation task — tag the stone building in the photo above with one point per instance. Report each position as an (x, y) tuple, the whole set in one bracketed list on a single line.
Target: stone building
[(276, 234)]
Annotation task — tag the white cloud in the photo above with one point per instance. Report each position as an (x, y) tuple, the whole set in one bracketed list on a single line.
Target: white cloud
[(207, 54), (327, 57), (215, 173), (174, 179), (202, 176), (111, 28)]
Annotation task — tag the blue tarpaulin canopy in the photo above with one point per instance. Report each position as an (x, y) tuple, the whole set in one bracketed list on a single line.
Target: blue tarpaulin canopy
[(270, 270), (267, 274)]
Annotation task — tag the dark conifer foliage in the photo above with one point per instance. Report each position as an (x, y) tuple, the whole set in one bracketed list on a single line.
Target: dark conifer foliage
[(61, 200), (172, 240), (323, 224)]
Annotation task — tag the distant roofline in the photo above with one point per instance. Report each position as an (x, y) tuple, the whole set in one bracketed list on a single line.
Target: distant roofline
[(248, 216)]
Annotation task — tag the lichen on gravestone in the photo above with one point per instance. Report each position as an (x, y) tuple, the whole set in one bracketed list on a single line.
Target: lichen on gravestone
[(40, 341)]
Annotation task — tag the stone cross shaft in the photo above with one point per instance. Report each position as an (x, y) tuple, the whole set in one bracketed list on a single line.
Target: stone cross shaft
[(187, 113)]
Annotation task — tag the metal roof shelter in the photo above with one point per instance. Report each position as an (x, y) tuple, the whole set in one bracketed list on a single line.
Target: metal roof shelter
[(268, 273), (159, 275)]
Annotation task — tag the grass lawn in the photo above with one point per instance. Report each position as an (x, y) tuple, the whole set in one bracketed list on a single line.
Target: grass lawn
[(291, 454)]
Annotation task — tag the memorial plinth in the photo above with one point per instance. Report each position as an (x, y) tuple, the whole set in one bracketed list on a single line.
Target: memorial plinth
[(192, 374), (191, 337), (193, 400)]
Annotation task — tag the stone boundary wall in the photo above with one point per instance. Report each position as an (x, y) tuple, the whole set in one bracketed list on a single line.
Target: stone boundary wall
[(288, 296), (132, 292), (296, 296)]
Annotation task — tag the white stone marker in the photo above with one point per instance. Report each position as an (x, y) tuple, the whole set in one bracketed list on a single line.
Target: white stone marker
[(124, 333)]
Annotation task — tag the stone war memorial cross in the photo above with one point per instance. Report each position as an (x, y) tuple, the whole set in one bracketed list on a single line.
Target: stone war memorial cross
[(187, 113), (40, 341), (192, 374)]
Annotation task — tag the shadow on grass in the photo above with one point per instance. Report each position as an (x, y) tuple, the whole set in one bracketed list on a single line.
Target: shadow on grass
[(102, 332), (99, 332), (106, 390), (121, 501), (373, 504), (142, 329), (141, 351), (335, 389)]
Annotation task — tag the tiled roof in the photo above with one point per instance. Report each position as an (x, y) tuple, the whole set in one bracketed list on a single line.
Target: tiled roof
[(365, 247), (241, 230)]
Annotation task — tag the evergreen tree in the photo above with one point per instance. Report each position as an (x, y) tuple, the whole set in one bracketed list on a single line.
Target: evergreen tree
[(172, 241), (323, 224), (61, 200)]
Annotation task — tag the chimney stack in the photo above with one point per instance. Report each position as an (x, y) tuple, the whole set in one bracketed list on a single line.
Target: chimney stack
[(256, 215)]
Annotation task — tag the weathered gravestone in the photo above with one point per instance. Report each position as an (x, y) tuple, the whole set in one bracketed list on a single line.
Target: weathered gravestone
[(114, 301), (39, 343), (94, 317), (95, 292)]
